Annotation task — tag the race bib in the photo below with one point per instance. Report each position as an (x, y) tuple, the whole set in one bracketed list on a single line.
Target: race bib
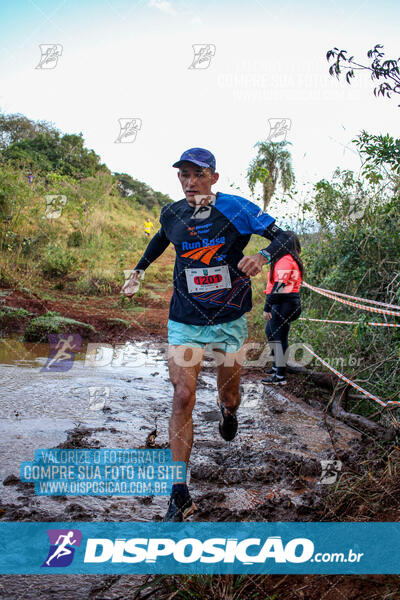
[(208, 280)]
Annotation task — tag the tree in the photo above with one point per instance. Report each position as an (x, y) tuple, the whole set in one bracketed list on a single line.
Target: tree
[(271, 166), (380, 153), (344, 199), (15, 128), (39, 146), (141, 192), (53, 152), (389, 70)]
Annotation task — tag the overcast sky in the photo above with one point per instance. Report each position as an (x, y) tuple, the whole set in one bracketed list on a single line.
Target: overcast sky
[(130, 60)]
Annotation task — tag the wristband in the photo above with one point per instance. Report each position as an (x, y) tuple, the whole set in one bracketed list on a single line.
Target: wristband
[(266, 255)]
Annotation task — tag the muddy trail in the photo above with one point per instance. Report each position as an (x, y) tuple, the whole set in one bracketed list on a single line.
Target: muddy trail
[(270, 472)]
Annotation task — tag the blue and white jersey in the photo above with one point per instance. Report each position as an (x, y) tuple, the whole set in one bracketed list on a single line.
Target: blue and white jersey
[(209, 242)]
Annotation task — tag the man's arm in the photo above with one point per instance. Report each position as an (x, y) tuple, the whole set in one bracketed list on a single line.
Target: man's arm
[(155, 248), (248, 218), (279, 241), (252, 265), (157, 245)]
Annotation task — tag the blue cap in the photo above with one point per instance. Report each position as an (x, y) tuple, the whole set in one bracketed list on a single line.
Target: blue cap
[(198, 156)]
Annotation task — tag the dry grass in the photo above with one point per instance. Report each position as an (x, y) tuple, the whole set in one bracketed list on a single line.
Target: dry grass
[(208, 587), (369, 490)]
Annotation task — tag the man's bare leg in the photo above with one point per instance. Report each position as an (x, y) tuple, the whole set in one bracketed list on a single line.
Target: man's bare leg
[(184, 365), (228, 381)]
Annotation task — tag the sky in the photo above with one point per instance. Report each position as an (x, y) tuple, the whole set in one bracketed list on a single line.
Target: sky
[(131, 60)]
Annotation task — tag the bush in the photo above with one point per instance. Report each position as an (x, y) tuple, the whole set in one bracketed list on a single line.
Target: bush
[(13, 318), (98, 283), (51, 322), (360, 257), (31, 245), (57, 262), (5, 279), (75, 239), (15, 193)]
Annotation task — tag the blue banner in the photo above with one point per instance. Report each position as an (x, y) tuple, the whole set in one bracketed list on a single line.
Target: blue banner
[(189, 548), (103, 472)]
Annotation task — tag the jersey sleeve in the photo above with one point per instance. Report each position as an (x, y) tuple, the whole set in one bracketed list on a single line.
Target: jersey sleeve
[(257, 221), (157, 245), (246, 216)]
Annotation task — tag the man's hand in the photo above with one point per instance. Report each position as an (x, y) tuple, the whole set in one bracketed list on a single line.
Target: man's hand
[(267, 316), (131, 286), (252, 265)]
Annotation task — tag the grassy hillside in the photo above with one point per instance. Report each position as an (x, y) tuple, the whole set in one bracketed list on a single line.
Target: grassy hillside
[(86, 248)]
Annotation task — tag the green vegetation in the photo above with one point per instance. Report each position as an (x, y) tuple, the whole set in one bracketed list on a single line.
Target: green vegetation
[(13, 318), (11, 312), (100, 282), (357, 252), (141, 193), (116, 321), (43, 149), (353, 248), (272, 165), (72, 226), (57, 261), (387, 70), (51, 322)]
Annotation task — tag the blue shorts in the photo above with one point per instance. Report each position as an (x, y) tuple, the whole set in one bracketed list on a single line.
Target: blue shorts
[(229, 337)]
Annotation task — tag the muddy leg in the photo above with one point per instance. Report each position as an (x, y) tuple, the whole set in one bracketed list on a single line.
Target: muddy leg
[(184, 364), (228, 380)]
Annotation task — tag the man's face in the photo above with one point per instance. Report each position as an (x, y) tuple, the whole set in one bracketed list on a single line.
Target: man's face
[(196, 181)]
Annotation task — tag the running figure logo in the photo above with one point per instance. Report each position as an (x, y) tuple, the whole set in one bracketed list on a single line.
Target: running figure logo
[(63, 543), (128, 129), (62, 352), (203, 54), (98, 397), (204, 254), (54, 205), (204, 203), (330, 471), (50, 53), (278, 129)]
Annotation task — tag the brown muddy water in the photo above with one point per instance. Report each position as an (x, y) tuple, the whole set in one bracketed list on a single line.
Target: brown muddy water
[(270, 472)]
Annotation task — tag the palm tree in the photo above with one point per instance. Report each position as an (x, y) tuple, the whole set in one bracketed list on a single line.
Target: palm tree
[(272, 165)]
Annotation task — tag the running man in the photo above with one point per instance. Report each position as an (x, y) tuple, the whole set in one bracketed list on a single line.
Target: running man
[(62, 549), (64, 348), (212, 293), (148, 226)]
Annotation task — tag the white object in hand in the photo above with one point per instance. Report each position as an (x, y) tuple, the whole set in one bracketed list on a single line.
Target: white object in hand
[(131, 285)]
